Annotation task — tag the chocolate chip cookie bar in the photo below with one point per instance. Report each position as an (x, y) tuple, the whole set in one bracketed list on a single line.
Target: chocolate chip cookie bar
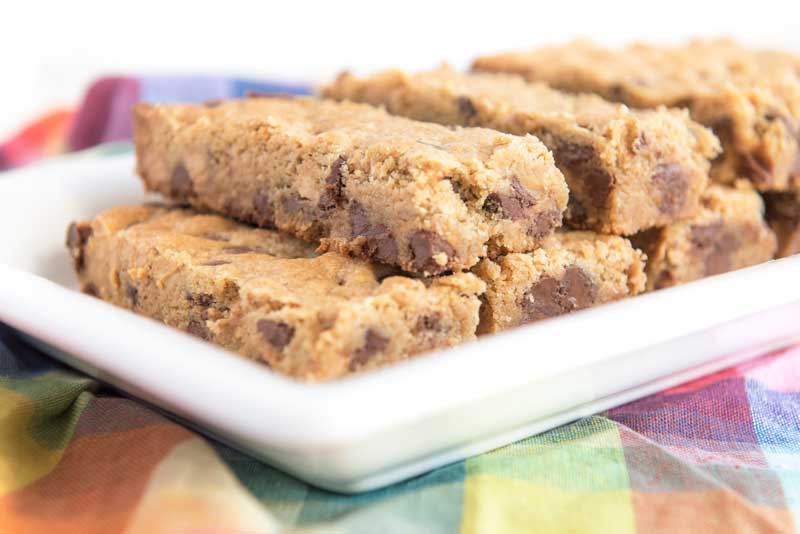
[(570, 272), (626, 170), (266, 295), (728, 234), (750, 98), (416, 195), (783, 215)]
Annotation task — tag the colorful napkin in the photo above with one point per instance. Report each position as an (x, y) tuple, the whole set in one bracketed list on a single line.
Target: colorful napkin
[(720, 454)]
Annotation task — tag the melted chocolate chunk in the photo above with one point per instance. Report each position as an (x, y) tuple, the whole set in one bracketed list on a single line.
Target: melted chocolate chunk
[(424, 246), (380, 245), (550, 297), (584, 176), (133, 295), (333, 193), (574, 154), (716, 243), (597, 184), (215, 263), (276, 333), (373, 343), (513, 205), (199, 329), (466, 108), (544, 224), (672, 185), (181, 184)]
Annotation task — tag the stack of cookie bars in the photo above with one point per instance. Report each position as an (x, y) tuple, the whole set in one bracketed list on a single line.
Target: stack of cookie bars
[(402, 213)]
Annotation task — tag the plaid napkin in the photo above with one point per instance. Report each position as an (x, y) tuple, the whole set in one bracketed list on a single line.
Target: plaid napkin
[(720, 454)]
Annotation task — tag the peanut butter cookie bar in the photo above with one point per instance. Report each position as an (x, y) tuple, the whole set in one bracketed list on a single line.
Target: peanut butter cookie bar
[(570, 272), (420, 196), (751, 98), (728, 234), (266, 295), (627, 170)]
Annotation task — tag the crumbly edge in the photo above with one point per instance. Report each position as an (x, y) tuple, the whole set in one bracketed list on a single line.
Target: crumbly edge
[(610, 263)]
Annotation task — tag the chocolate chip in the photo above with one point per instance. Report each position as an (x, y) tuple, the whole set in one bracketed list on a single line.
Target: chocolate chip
[(586, 177), (200, 299), (550, 297), (572, 153), (466, 108), (237, 249), (215, 263), (513, 205), (333, 192), (576, 212), (424, 246), (276, 333), (212, 103), (380, 245), (431, 322), (198, 329), (90, 289), (373, 343), (133, 295), (672, 185), (78, 235), (597, 183), (263, 214), (464, 192), (181, 185), (544, 224), (716, 243)]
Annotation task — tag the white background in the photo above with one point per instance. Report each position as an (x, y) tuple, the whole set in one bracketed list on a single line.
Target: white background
[(51, 50)]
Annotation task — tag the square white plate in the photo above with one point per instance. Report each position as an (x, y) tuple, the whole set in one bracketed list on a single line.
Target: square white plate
[(368, 431)]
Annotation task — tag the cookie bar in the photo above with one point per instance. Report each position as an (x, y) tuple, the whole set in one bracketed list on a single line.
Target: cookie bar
[(751, 98), (420, 196), (783, 215), (626, 170), (570, 272), (266, 295), (729, 233)]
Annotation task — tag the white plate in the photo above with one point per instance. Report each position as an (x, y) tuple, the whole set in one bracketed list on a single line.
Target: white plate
[(371, 430)]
